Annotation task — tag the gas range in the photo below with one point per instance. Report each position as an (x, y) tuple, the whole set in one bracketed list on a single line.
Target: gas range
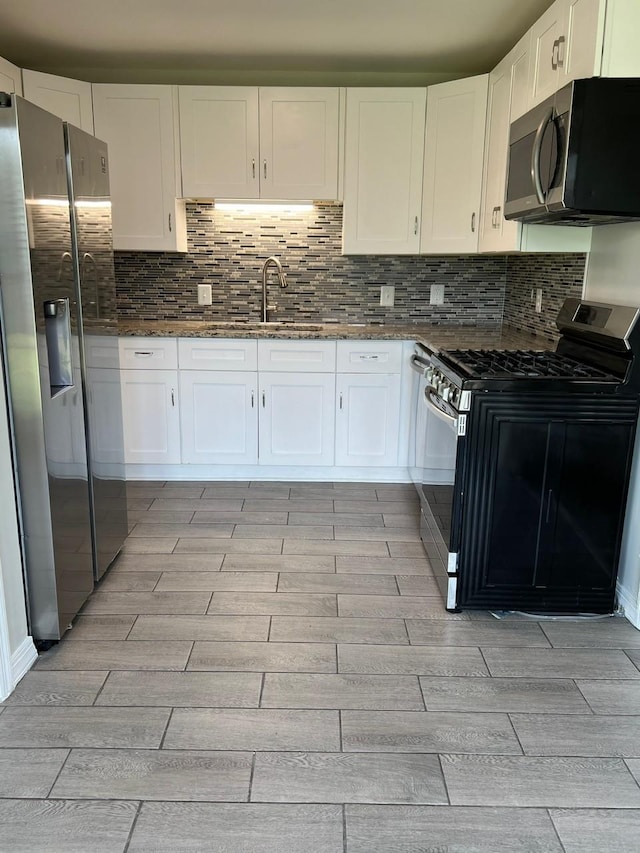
[(539, 448), (595, 354)]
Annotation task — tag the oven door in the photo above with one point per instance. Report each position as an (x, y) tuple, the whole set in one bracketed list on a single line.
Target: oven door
[(439, 509)]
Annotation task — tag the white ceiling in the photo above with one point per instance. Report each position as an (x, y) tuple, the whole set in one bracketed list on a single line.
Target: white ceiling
[(333, 41)]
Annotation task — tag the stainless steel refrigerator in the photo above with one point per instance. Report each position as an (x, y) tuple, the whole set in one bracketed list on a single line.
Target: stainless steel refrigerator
[(50, 386)]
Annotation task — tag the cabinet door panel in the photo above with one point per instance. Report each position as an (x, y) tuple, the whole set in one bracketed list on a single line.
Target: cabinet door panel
[(495, 230), (367, 419), (592, 461), (299, 143), (584, 24), (517, 502), (383, 171), (10, 77), (66, 98), (137, 123), (219, 417), (454, 147), (545, 73), (297, 423), (150, 415), (219, 141)]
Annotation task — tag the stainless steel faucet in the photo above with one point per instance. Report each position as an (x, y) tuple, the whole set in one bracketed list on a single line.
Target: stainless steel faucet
[(282, 278)]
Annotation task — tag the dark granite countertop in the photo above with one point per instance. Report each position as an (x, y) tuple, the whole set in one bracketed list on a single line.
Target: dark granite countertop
[(435, 336)]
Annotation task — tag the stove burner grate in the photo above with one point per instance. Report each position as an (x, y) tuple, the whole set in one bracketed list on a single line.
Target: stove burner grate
[(529, 364)]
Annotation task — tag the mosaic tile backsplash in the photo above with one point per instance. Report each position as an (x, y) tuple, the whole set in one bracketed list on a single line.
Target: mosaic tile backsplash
[(228, 249), (559, 276)]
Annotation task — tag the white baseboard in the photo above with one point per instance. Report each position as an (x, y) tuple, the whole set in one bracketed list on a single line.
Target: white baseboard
[(629, 604), (290, 473), (23, 659)]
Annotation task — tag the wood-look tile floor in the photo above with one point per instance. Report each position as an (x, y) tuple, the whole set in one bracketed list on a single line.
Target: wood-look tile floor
[(269, 668)]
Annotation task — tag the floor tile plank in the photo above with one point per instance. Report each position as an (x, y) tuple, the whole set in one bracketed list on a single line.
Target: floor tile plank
[(182, 689), (250, 729), (263, 657), (163, 628), (26, 773), (337, 630), (542, 696), (138, 774), (88, 727), (406, 829), (250, 828), (410, 660), (532, 782), (294, 777), (430, 731), (375, 692), (597, 830), (57, 826)]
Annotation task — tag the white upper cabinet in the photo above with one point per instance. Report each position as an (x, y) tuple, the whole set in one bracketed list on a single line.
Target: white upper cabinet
[(383, 171), (583, 38), (299, 131), (498, 234), (137, 123), (219, 141), (244, 142), (453, 161), (10, 78), (545, 47), (495, 232), (66, 98)]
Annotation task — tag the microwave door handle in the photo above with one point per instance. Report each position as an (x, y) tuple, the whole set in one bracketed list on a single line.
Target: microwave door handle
[(535, 156)]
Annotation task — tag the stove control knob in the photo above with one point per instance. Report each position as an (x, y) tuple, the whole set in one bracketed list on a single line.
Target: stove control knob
[(448, 393), (428, 374), (454, 395)]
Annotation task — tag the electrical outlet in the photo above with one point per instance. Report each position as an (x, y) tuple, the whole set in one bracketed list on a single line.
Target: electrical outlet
[(437, 294), (387, 295), (204, 294), (538, 300)]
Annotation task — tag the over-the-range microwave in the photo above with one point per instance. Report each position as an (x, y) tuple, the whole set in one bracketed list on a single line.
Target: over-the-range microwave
[(575, 158)]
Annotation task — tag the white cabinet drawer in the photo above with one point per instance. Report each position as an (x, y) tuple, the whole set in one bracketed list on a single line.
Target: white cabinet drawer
[(297, 356), (149, 353), (369, 356), (219, 354), (102, 351)]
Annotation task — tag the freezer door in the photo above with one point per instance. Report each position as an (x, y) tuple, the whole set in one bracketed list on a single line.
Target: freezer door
[(88, 169)]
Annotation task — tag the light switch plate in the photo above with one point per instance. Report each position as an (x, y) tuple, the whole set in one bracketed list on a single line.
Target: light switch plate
[(204, 294), (437, 294), (387, 295)]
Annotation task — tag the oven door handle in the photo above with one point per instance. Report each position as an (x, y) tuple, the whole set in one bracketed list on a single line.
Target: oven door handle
[(429, 394), (535, 155), (418, 364)]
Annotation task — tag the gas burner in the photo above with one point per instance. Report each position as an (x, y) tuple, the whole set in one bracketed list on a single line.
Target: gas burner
[(526, 364)]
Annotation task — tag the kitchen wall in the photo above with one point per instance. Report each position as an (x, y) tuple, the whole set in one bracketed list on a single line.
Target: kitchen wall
[(559, 276), (612, 276), (227, 250), (17, 651)]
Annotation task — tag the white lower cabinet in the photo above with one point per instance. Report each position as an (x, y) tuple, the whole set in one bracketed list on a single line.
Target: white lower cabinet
[(297, 418), (151, 416), (219, 417), (367, 419)]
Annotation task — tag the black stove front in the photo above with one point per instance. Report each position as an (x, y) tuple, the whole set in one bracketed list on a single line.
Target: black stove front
[(544, 443)]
